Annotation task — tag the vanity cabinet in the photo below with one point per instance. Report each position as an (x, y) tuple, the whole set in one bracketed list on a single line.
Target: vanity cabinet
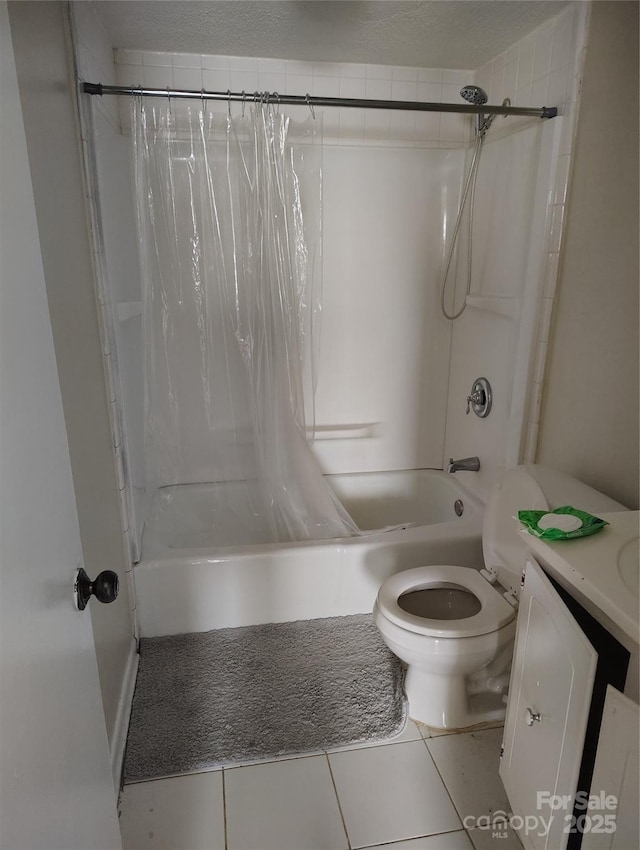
[(552, 679), (617, 773), (565, 664)]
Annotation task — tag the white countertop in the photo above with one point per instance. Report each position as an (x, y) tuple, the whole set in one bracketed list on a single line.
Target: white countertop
[(602, 568)]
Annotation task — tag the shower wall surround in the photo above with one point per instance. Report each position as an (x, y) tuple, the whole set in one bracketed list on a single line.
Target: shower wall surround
[(392, 372), (390, 180), (503, 333), (383, 366)]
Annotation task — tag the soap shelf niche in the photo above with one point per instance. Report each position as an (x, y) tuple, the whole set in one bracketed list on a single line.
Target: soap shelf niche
[(350, 431), (506, 306)]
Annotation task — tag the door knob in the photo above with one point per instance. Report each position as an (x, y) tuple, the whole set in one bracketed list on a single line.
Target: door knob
[(104, 587)]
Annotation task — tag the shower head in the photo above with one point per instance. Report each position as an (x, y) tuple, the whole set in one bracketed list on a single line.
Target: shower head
[(474, 94), (478, 97)]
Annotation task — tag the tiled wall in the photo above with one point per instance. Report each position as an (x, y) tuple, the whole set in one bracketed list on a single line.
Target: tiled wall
[(343, 126), (536, 71)]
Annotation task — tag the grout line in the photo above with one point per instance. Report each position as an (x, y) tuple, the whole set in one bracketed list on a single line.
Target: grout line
[(443, 782), (397, 841), (335, 789), (224, 810)]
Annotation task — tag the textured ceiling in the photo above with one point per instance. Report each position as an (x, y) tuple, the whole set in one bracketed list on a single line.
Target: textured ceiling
[(440, 33)]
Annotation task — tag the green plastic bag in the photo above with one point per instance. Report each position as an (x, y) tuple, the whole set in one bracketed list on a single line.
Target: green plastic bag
[(570, 523)]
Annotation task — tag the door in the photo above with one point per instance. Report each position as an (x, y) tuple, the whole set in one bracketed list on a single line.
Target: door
[(554, 668), (56, 790), (611, 823)]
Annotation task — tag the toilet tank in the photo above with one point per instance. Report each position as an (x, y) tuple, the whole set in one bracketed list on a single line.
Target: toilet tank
[(530, 487)]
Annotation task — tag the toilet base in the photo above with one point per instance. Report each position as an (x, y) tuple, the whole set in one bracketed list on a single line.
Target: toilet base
[(442, 702)]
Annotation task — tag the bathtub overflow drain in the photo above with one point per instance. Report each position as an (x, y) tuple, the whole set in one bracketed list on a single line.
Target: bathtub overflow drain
[(458, 507)]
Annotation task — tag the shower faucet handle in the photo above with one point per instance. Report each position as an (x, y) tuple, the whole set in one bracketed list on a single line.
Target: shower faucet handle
[(480, 398)]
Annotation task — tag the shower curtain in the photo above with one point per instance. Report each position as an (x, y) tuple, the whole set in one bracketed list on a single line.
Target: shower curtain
[(229, 217)]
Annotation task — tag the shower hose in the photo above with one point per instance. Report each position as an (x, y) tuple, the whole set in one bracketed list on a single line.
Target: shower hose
[(469, 185)]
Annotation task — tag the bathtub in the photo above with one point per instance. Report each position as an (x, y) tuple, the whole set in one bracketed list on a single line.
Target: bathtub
[(190, 580)]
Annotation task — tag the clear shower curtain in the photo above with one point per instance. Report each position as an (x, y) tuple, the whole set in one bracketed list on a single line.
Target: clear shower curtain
[(229, 225)]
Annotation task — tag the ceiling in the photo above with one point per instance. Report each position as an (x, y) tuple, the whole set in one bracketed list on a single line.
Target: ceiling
[(433, 34)]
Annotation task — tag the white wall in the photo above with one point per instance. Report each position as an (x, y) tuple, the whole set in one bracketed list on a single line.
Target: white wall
[(108, 161), (40, 43), (113, 184), (589, 424)]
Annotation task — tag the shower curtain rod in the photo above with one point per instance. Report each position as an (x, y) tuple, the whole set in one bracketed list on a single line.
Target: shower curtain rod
[(311, 101)]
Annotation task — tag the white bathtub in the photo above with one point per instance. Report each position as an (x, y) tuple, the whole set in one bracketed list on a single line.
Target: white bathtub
[(190, 579)]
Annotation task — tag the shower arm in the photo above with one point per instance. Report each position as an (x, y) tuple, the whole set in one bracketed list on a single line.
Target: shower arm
[(311, 101)]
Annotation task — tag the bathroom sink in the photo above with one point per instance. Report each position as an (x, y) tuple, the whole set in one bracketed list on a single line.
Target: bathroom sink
[(629, 565)]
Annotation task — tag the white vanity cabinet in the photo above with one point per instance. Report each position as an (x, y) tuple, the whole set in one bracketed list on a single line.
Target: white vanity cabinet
[(569, 730), (616, 774), (552, 679)]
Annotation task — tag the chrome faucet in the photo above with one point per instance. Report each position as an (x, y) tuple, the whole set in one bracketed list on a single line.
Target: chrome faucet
[(467, 464)]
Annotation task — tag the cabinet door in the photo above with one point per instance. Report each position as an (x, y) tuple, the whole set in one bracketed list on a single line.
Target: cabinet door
[(615, 776), (549, 697)]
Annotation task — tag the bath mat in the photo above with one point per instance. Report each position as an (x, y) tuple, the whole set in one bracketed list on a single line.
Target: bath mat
[(232, 695)]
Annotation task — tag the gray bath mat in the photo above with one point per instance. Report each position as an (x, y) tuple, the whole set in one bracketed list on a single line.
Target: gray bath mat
[(234, 695)]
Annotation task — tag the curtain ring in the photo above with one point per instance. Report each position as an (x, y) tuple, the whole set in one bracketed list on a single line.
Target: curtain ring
[(244, 100), (204, 102), (310, 105), (169, 98), (229, 102), (276, 97)]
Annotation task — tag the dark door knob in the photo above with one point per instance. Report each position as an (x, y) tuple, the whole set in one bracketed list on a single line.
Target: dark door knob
[(104, 587)]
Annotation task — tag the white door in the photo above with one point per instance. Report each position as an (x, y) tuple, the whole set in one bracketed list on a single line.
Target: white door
[(612, 823), (554, 668), (56, 790)]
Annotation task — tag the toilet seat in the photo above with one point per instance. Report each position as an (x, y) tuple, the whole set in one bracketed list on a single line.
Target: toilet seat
[(495, 612)]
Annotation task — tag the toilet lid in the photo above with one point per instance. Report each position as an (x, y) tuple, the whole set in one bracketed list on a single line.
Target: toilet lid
[(495, 611)]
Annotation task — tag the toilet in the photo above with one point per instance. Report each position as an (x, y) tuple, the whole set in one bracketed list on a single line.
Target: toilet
[(454, 627)]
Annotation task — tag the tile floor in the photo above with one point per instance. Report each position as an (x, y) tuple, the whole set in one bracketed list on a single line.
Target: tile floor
[(409, 793)]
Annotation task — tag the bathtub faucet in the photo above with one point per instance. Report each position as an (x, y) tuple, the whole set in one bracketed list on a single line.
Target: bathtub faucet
[(467, 464)]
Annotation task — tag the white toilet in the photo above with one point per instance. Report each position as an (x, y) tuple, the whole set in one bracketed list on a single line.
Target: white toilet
[(454, 626)]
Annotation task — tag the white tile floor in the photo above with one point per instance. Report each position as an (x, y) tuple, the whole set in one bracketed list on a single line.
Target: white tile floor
[(409, 793)]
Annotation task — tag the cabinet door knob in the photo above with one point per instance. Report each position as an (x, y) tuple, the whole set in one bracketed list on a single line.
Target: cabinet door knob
[(531, 717)]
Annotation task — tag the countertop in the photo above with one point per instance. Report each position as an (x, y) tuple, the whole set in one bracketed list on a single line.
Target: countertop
[(603, 569)]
